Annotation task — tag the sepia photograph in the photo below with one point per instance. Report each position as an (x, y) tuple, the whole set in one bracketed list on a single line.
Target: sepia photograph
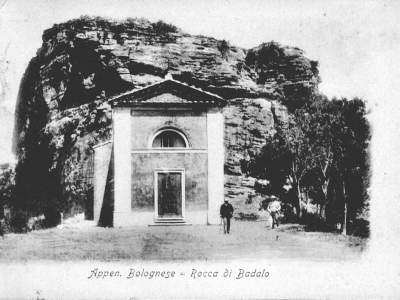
[(199, 149)]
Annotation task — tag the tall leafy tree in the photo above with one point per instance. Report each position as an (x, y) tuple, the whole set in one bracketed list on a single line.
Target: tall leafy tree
[(321, 152), (351, 156)]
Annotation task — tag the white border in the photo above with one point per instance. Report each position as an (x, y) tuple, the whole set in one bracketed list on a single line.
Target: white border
[(169, 170)]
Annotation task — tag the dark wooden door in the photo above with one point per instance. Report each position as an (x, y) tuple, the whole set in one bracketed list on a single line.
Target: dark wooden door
[(169, 194)]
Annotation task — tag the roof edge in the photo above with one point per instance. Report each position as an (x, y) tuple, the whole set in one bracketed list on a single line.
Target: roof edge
[(114, 100)]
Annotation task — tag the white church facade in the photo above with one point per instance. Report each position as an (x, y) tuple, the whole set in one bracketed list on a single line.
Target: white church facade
[(167, 155)]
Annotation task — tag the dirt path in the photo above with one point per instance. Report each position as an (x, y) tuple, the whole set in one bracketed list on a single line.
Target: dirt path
[(248, 240)]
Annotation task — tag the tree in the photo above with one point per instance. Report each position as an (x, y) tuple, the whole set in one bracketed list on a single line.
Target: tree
[(338, 136), (322, 114), (351, 157), (322, 153), (310, 147), (300, 158), (272, 163)]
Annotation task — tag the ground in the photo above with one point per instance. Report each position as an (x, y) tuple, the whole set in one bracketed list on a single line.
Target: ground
[(248, 240)]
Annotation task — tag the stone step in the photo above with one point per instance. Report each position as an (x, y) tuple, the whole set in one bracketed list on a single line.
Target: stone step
[(170, 224), (169, 220)]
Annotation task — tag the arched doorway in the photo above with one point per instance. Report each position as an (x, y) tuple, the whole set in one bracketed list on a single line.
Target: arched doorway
[(169, 184)]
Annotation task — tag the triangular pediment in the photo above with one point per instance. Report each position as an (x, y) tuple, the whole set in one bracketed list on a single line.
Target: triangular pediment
[(166, 98), (167, 93)]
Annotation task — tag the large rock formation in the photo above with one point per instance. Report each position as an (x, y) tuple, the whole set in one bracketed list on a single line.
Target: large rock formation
[(61, 110)]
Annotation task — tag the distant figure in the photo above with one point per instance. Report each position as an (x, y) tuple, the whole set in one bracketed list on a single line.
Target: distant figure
[(226, 212), (273, 207)]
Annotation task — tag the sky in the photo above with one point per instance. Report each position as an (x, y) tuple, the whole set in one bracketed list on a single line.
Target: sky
[(355, 42)]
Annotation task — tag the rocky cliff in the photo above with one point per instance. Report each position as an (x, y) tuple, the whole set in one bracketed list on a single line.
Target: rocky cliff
[(61, 110)]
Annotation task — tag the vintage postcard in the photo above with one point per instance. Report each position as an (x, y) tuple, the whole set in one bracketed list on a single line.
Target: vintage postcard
[(199, 149)]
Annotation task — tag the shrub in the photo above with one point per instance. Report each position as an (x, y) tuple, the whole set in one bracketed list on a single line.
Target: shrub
[(35, 223), (223, 47), (288, 214), (52, 217), (7, 186), (313, 222), (161, 27), (247, 216), (18, 222), (359, 227)]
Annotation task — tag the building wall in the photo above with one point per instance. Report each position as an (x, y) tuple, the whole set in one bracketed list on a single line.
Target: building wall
[(122, 166), (144, 164), (196, 195), (145, 160), (145, 123), (102, 157), (216, 153), (135, 162)]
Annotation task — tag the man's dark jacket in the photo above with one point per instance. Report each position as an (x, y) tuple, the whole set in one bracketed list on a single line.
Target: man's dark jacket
[(226, 210)]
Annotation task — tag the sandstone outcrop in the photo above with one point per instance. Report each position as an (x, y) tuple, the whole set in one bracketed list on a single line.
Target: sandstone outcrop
[(61, 105)]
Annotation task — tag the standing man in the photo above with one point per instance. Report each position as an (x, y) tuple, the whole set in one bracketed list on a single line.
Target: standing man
[(226, 212), (274, 208)]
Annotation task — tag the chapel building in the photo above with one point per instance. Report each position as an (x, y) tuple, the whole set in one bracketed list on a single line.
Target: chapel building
[(167, 156)]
